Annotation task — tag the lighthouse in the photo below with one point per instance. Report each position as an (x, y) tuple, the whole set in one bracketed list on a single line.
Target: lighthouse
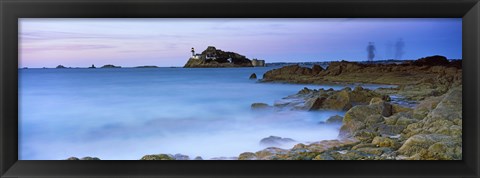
[(193, 52)]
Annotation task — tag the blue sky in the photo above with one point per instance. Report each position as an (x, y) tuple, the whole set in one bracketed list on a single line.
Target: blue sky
[(167, 42)]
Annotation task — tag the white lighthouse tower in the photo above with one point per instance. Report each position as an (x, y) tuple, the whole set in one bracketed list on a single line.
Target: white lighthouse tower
[(193, 52)]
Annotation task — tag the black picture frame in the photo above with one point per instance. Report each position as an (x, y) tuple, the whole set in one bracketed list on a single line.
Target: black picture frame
[(11, 10)]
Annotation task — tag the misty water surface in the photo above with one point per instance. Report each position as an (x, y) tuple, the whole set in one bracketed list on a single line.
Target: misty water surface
[(126, 113)]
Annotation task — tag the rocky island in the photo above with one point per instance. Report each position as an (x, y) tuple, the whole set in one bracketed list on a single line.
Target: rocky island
[(215, 58), (110, 66)]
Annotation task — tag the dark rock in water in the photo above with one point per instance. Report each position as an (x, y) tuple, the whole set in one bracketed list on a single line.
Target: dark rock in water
[(260, 106), (432, 61), (181, 157), (158, 157), (253, 76), (275, 141), (60, 67), (73, 158), (89, 158), (198, 158), (287, 72), (146, 67), (92, 67), (334, 120), (110, 66)]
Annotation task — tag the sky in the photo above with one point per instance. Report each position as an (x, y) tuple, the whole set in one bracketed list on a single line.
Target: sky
[(128, 42)]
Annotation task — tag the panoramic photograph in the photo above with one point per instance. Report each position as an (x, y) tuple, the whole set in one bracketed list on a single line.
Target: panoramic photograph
[(240, 89)]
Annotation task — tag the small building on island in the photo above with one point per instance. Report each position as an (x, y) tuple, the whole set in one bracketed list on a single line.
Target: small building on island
[(258, 63)]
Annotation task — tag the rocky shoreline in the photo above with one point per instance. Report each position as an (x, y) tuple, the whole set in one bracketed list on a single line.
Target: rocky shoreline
[(375, 125)]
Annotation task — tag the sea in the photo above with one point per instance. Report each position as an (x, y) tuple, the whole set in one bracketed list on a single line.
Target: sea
[(126, 113)]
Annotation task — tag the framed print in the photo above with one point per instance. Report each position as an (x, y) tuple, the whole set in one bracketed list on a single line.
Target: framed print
[(239, 88)]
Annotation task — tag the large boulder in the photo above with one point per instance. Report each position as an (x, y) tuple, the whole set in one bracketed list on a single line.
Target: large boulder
[(291, 73), (432, 147), (445, 118), (362, 121), (338, 101), (334, 120)]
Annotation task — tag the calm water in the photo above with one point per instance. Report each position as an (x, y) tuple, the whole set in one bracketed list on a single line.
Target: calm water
[(126, 113)]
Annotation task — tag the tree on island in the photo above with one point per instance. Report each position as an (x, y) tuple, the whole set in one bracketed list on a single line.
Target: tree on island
[(92, 67)]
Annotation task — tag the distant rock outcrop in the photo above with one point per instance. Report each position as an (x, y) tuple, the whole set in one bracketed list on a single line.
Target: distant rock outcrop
[(213, 58), (110, 66), (146, 67), (417, 80), (60, 67), (158, 157), (253, 76), (84, 158)]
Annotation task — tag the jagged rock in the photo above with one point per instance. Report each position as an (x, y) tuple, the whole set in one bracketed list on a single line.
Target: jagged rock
[(275, 141), (158, 157), (417, 80), (361, 121), (338, 101), (270, 153), (260, 106), (253, 76), (385, 142), (307, 99), (444, 119), (432, 146), (424, 107)]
